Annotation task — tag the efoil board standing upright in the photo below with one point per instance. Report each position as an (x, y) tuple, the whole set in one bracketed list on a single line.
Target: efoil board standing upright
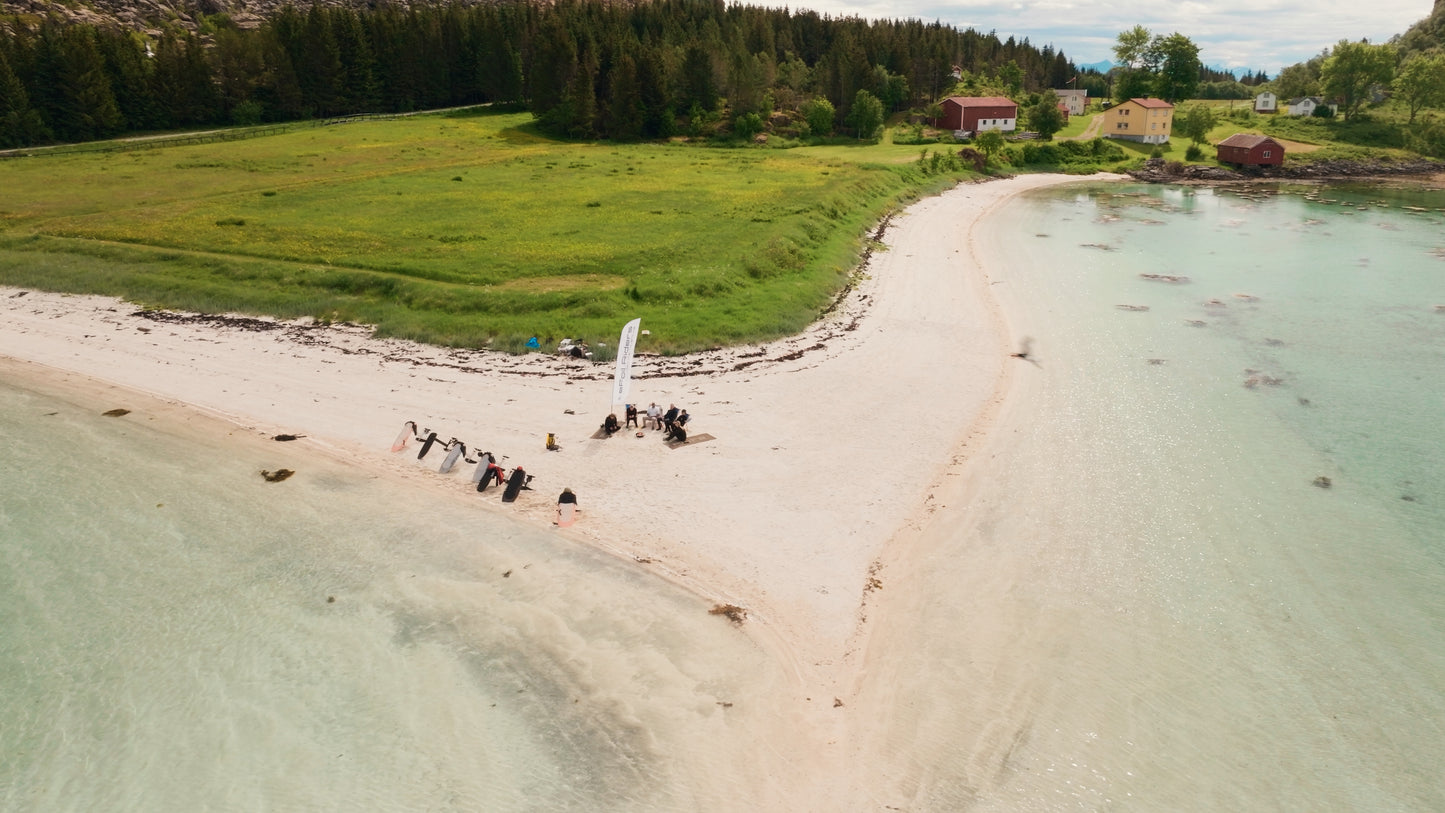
[(514, 485)]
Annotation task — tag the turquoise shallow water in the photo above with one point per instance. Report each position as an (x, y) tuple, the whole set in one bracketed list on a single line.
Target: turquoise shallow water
[(1149, 604), (178, 634)]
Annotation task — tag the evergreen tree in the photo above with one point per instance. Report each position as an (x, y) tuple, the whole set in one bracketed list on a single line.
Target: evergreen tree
[(582, 93), (79, 105), (359, 89), (847, 71), (131, 80), (1061, 72), (499, 63), (554, 66), (748, 84), (623, 119), (278, 91), (699, 77), (20, 124), (318, 66), (183, 82), (240, 69), (658, 116)]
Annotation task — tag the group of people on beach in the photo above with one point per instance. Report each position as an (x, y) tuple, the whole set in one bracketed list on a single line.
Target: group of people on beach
[(673, 422)]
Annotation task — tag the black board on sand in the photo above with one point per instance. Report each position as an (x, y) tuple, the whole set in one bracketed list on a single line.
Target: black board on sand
[(514, 485)]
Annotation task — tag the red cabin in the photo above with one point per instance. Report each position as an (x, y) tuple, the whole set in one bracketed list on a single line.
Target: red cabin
[(975, 114), (1244, 150)]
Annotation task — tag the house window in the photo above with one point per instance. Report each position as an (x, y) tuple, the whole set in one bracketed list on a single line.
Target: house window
[(1123, 125), (1266, 153)]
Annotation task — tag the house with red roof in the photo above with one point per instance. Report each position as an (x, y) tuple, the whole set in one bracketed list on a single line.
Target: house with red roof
[(974, 114), (1246, 150), (1145, 120)]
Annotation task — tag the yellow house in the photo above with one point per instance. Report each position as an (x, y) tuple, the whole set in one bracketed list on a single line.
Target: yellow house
[(1145, 120)]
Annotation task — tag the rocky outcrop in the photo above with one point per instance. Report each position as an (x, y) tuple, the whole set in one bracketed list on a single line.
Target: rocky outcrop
[(152, 16), (1157, 170)]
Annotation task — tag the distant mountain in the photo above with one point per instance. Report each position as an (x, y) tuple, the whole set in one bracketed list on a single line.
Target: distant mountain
[(1103, 66)]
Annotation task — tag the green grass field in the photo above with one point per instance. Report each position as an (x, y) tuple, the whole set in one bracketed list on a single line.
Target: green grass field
[(464, 229), (1076, 126)]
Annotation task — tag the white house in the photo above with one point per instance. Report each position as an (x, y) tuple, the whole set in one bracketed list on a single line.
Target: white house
[(1304, 105), (1075, 101), (1266, 102)]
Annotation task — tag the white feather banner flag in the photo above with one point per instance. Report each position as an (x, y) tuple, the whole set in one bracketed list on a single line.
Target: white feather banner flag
[(622, 382)]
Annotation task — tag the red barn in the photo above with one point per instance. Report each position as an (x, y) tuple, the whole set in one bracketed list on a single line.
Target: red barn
[(978, 113), (1245, 150)]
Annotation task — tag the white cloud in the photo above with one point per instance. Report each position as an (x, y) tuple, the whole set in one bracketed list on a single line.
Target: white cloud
[(1229, 33)]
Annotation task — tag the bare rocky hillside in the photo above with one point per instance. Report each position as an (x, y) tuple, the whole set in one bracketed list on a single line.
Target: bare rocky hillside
[(154, 15)]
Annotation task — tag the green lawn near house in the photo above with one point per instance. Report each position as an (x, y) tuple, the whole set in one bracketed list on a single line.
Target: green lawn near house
[(1076, 126)]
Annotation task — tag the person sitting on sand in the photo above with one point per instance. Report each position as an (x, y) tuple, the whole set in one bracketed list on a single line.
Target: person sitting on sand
[(566, 498), (610, 425), (676, 432), (632, 415)]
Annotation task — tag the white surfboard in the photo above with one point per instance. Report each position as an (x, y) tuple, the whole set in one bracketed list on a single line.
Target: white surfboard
[(566, 513), (408, 431), (480, 469), (452, 457)]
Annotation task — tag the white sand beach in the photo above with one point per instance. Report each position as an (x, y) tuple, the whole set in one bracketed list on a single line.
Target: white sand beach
[(830, 453)]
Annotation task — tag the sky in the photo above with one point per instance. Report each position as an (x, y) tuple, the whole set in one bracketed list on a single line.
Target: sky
[(1231, 34)]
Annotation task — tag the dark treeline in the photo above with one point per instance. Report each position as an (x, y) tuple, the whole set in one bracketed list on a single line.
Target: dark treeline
[(585, 68), (1217, 84)]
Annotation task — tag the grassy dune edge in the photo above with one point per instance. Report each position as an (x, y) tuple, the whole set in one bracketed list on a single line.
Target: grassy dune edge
[(469, 231)]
